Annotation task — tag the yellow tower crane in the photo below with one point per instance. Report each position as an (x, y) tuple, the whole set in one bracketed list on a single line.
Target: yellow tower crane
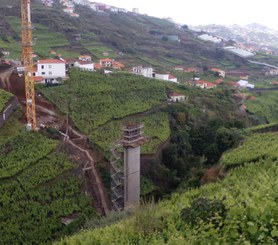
[(27, 57)]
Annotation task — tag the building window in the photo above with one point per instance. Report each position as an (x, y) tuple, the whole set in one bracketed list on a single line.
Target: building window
[(49, 66), (43, 73), (50, 73), (42, 66)]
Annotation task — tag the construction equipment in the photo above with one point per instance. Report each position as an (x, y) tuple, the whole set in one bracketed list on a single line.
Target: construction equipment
[(27, 57)]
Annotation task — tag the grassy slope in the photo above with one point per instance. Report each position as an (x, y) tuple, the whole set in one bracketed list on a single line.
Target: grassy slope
[(33, 197), (265, 105), (249, 194), (4, 97), (96, 99)]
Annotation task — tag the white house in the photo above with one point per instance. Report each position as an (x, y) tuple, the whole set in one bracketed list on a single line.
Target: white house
[(166, 77), (176, 97), (162, 76), (69, 10), (106, 62), (51, 69), (84, 65), (85, 58), (146, 71), (245, 84), (171, 78)]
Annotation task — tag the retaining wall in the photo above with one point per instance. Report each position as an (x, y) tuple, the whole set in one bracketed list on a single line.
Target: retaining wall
[(8, 110)]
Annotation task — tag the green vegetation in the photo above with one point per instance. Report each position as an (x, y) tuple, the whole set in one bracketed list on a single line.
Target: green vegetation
[(264, 106), (34, 197), (4, 97), (44, 42), (156, 129), (94, 100), (256, 147), (246, 212)]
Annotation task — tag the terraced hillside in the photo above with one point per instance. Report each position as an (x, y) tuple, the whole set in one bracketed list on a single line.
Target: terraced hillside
[(100, 104), (240, 209), (37, 189), (133, 39), (264, 106)]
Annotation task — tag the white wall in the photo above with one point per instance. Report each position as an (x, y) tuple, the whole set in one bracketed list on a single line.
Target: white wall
[(52, 70), (87, 67), (162, 76)]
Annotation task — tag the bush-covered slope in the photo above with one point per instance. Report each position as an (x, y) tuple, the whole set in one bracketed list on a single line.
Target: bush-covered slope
[(264, 106), (33, 196), (4, 97), (240, 209), (93, 100)]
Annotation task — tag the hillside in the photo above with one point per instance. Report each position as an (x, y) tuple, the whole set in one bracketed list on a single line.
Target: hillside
[(264, 106), (38, 188), (133, 39), (4, 97), (240, 209), (100, 104)]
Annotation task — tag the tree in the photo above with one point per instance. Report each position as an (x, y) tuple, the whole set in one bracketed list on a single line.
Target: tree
[(226, 138)]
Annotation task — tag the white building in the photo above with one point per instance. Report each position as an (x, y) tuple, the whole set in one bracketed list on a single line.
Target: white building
[(51, 70), (146, 71), (85, 58), (166, 77), (69, 10), (84, 65), (176, 97), (245, 84)]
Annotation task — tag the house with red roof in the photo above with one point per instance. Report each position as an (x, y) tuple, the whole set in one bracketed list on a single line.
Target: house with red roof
[(220, 72), (166, 77), (84, 65), (176, 97), (204, 84), (107, 62), (51, 70), (172, 78), (118, 65), (85, 58)]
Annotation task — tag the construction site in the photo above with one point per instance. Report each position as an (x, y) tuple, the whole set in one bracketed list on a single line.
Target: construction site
[(42, 114)]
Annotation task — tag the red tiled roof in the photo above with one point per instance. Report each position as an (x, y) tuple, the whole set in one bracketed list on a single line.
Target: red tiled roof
[(218, 81), (210, 85), (38, 78), (106, 60), (118, 64), (98, 66), (48, 61), (171, 76)]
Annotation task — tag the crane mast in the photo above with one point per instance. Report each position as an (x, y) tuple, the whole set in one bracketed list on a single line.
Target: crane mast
[(27, 57)]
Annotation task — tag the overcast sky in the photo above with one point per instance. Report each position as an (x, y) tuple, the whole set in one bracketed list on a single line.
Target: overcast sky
[(196, 12)]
